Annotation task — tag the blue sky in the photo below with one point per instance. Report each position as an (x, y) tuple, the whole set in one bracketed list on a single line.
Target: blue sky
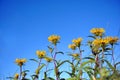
[(26, 24)]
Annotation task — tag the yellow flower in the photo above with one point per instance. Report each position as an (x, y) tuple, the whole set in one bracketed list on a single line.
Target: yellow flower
[(54, 39), (20, 62), (40, 54), (75, 55), (112, 40), (100, 42), (97, 31), (48, 59), (104, 41), (16, 76), (96, 42), (72, 46), (77, 41)]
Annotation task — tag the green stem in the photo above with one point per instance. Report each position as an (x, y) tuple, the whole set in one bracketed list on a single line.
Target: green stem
[(101, 78), (20, 72), (96, 65), (80, 71), (36, 77), (102, 57), (39, 62), (45, 73), (113, 56), (55, 66)]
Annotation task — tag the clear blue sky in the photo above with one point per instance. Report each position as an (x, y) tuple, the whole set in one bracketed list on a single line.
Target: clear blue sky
[(26, 24)]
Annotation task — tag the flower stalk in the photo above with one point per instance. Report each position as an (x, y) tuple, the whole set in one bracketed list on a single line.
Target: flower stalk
[(113, 56), (20, 72)]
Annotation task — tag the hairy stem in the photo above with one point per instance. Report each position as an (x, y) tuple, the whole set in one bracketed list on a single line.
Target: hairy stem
[(20, 72), (39, 62), (55, 65), (80, 71), (113, 56)]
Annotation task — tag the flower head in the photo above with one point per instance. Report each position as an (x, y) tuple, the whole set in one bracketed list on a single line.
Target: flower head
[(112, 40), (20, 62), (96, 42), (97, 31), (54, 39), (40, 54), (48, 59), (72, 46), (77, 41), (16, 76), (100, 42)]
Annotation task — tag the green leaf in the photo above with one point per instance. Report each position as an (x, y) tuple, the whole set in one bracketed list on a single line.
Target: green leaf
[(10, 77), (74, 78), (34, 60), (110, 65), (25, 71), (107, 54), (89, 58), (60, 52), (58, 62), (25, 79), (49, 70), (50, 78), (60, 73), (69, 62), (104, 72), (68, 73), (40, 67), (89, 73), (88, 68), (62, 63), (77, 63), (108, 49), (117, 64), (92, 37), (34, 76), (50, 49), (87, 62)]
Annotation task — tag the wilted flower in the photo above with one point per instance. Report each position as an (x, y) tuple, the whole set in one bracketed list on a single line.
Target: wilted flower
[(77, 41), (20, 62), (54, 39), (97, 31), (40, 54), (72, 46)]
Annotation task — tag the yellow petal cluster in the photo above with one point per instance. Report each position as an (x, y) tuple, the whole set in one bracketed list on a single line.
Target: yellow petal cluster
[(72, 46), (48, 59), (75, 55), (54, 39), (100, 42), (97, 31), (20, 62), (16, 76), (112, 40), (41, 54), (77, 41)]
